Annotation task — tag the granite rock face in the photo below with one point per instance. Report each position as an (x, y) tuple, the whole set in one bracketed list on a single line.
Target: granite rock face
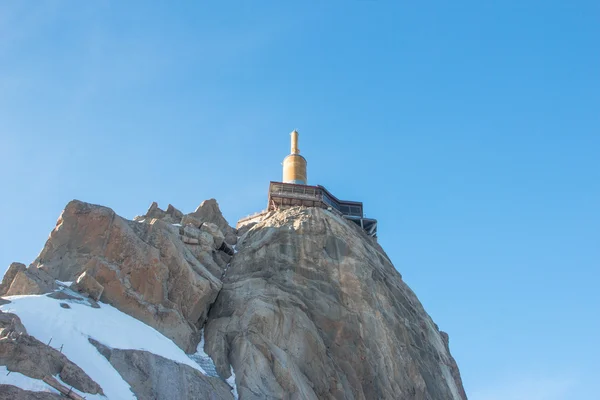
[(145, 269), (312, 308)]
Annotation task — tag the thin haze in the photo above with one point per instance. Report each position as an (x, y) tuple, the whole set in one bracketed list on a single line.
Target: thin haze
[(471, 131)]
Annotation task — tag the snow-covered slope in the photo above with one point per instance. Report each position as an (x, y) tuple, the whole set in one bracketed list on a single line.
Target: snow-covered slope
[(70, 328)]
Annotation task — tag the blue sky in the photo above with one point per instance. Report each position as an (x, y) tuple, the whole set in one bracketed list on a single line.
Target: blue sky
[(471, 130)]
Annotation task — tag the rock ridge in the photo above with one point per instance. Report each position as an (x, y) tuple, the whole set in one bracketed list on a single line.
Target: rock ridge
[(155, 269)]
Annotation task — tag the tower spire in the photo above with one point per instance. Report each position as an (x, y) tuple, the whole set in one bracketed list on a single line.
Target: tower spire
[(295, 149)]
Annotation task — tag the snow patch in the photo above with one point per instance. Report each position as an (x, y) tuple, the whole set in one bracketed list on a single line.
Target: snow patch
[(44, 319), (231, 382), (203, 359), (67, 284), (23, 381)]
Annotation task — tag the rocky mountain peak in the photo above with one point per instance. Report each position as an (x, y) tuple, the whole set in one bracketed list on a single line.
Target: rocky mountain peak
[(308, 307)]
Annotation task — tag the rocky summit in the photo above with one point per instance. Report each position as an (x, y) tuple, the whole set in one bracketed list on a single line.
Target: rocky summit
[(301, 304)]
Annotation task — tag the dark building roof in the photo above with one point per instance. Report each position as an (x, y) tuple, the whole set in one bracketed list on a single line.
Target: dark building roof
[(285, 195)]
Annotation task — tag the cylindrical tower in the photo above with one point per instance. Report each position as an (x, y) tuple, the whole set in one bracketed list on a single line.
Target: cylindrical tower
[(294, 165)]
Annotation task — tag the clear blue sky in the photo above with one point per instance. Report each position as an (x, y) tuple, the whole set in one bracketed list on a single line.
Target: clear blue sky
[(471, 131)]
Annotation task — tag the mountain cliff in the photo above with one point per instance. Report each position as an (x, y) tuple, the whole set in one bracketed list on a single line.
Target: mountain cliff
[(301, 305)]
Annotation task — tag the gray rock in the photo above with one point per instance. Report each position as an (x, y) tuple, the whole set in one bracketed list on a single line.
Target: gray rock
[(9, 392), (174, 213), (453, 365), (154, 377), (60, 295), (153, 212), (245, 228), (87, 284), (171, 216), (93, 303), (231, 238), (222, 259), (191, 220), (9, 276), (311, 308), (205, 239), (215, 232)]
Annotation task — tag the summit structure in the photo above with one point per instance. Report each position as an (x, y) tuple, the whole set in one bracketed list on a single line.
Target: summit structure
[(300, 303), (295, 191)]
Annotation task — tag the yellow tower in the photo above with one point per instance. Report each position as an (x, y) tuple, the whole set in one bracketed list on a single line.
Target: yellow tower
[(294, 165)]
